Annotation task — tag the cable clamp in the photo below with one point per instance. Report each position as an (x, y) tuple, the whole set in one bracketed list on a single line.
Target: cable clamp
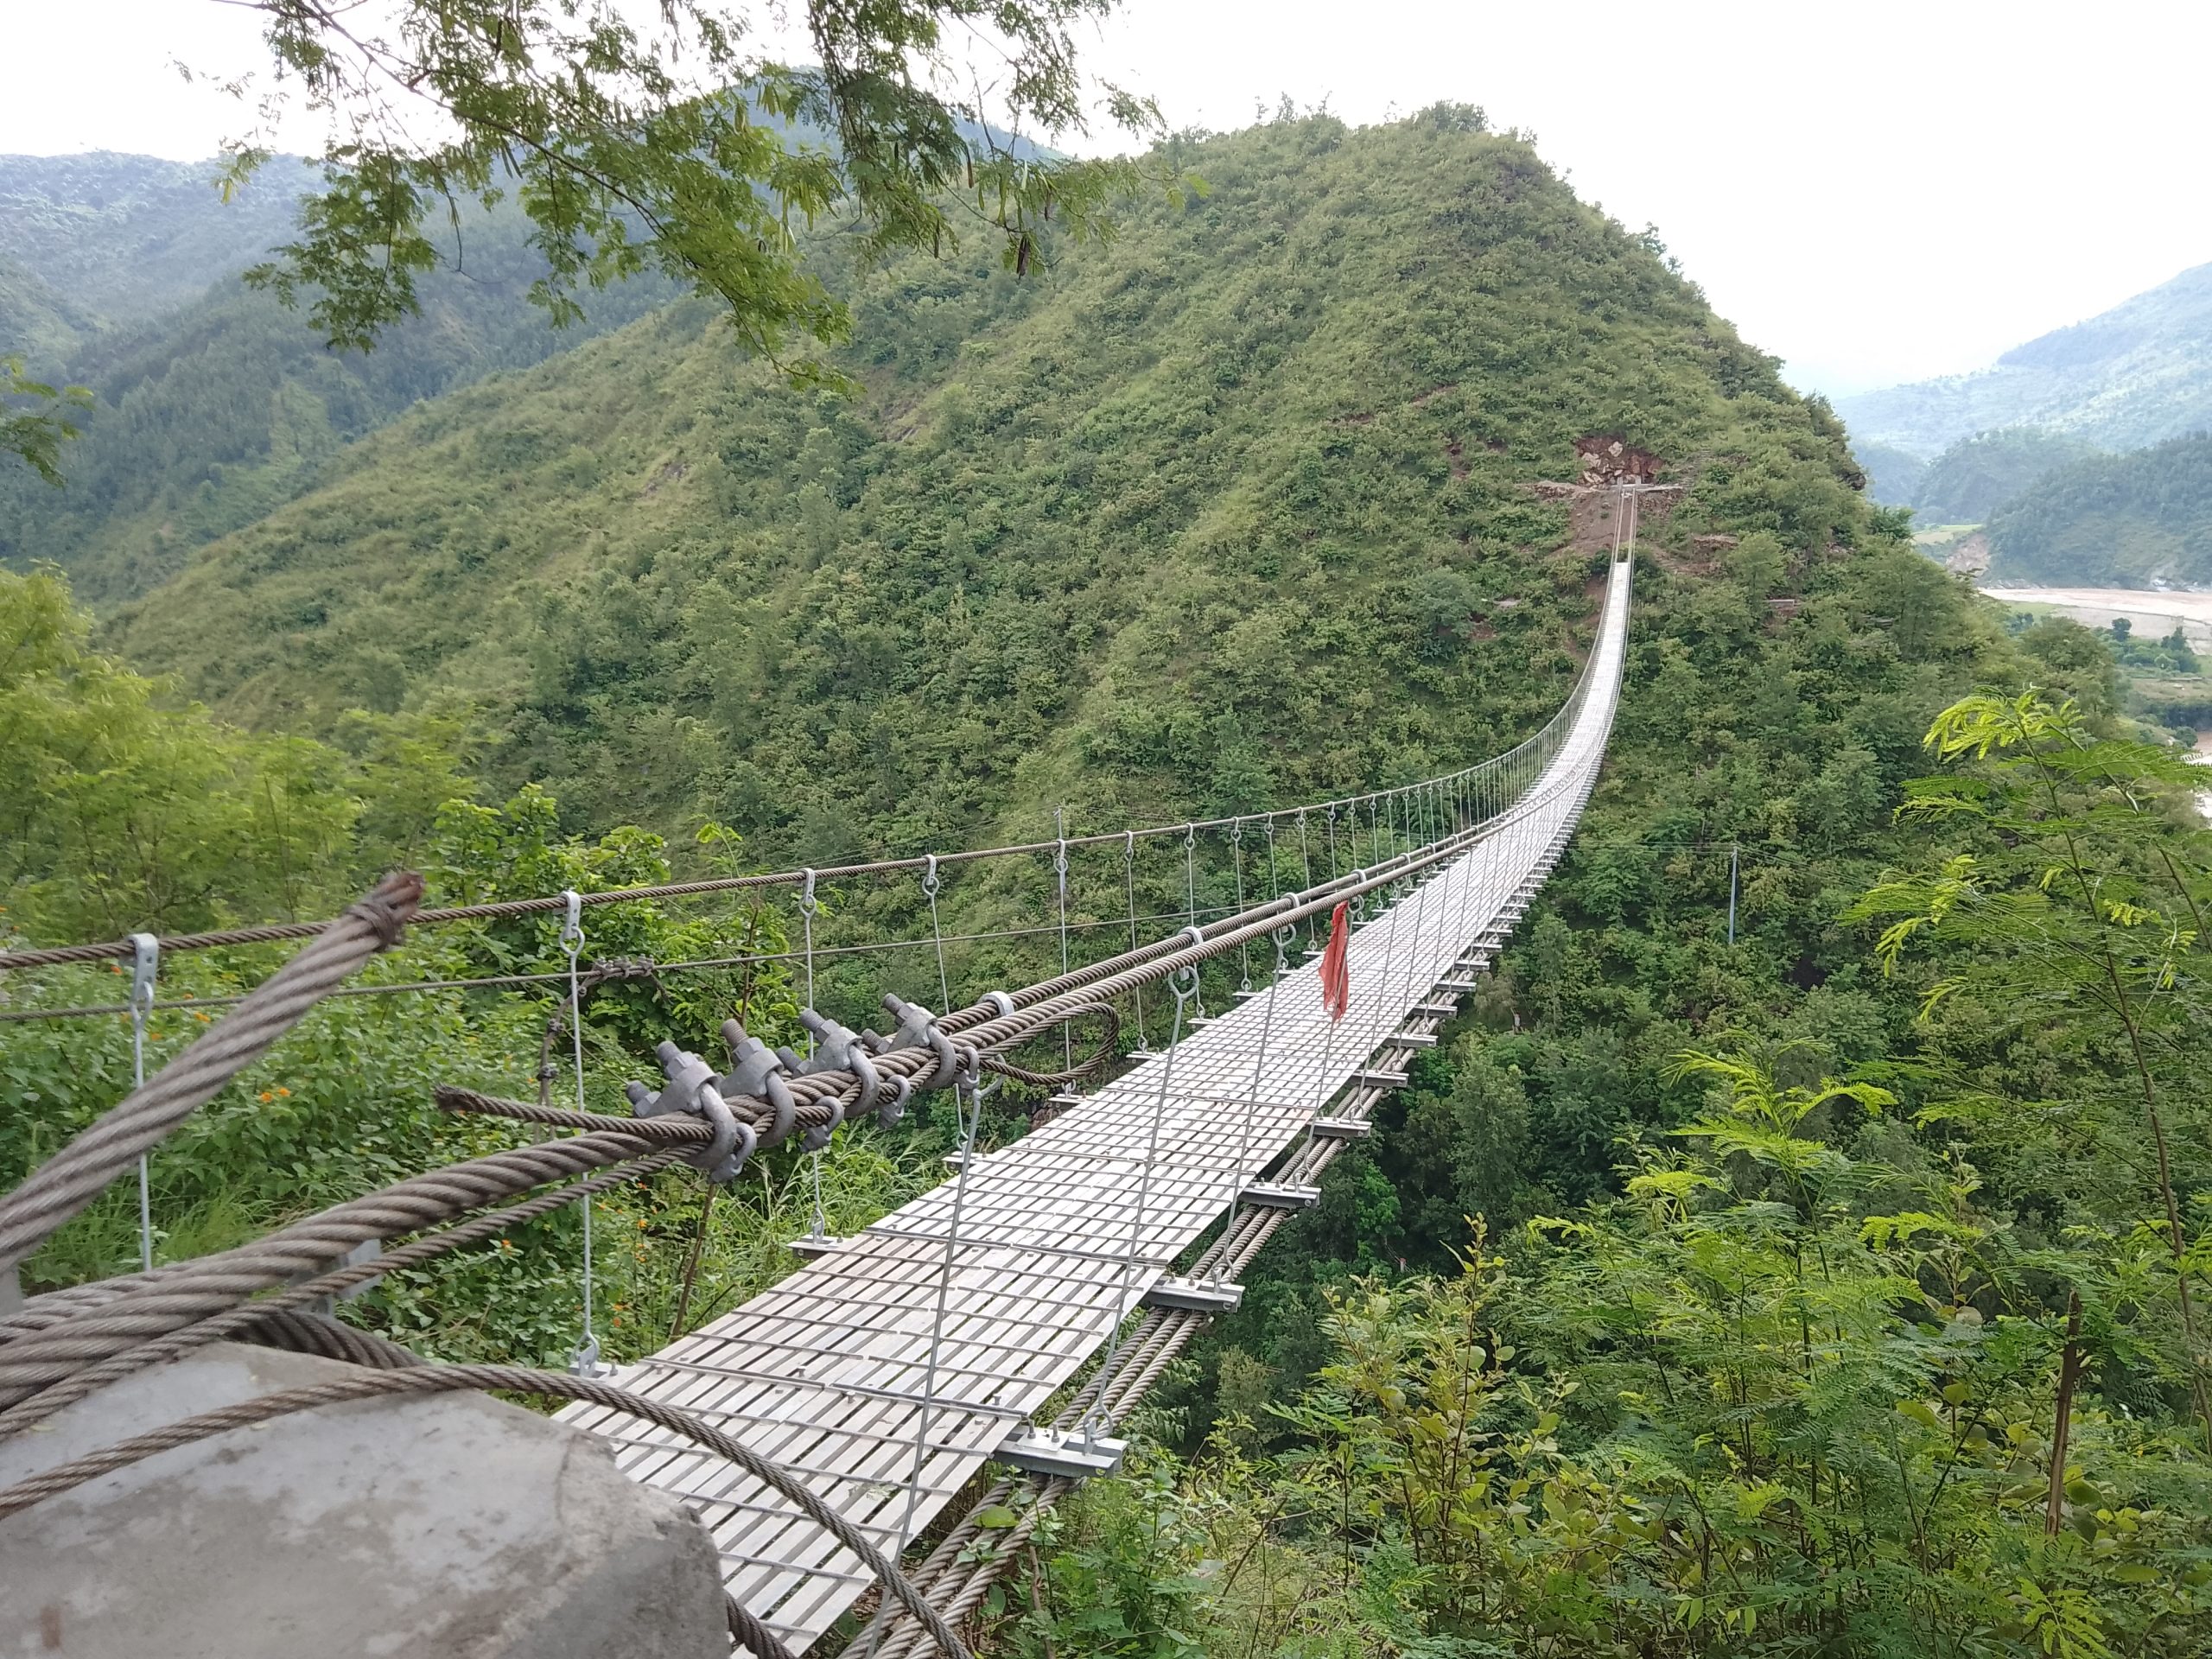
[(691, 1092), (755, 1072), (918, 1028), (836, 1048), (572, 926), (146, 963)]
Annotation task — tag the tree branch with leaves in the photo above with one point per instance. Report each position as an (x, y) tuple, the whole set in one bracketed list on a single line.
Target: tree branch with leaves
[(677, 145), (37, 419), (2077, 915)]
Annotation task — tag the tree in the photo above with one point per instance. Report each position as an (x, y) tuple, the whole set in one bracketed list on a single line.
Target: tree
[(35, 426), (675, 144), (2078, 917)]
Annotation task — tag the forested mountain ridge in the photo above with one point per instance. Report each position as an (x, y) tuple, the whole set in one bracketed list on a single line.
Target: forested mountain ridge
[(214, 404), (209, 416), (2134, 375), (1973, 478), (127, 237), (2127, 520), (1228, 510)]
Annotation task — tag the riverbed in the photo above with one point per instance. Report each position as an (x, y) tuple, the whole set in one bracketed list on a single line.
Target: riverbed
[(2151, 613)]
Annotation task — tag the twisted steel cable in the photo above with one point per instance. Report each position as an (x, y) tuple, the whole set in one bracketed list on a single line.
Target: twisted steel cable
[(212, 1284), (66, 1183), (746, 1628), (256, 1320), (438, 1379), (52, 1306)]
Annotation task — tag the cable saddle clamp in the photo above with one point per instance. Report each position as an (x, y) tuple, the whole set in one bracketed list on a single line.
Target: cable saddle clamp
[(917, 1029), (691, 1092), (839, 1048), (755, 1072)]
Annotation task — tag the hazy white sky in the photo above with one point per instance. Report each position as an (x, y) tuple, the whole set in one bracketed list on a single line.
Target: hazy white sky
[(1875, 192)]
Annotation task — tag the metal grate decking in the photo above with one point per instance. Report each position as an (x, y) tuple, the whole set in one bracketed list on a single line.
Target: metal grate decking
[(827, 1372)]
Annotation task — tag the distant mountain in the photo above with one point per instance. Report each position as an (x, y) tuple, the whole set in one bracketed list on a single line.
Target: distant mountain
[(2137, 374), (128, 237), (2131, 520), (37, 323), (1972, 479), (1893, 475), (215, 404), (1976, 476)]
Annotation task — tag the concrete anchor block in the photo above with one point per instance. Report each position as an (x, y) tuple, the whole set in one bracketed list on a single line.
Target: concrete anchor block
[(449, 1526)]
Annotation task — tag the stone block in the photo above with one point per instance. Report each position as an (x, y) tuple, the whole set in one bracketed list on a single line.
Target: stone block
[(446, 1526)]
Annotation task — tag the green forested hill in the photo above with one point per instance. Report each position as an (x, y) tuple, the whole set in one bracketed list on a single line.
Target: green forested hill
[(1973, 477), (210, 415), (1976, 476), (1235, 509), (37, 323), (2123, 520), (128, 238)]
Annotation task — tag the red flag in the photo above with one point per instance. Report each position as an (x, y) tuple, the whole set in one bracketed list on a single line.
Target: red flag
[(1336, 976)]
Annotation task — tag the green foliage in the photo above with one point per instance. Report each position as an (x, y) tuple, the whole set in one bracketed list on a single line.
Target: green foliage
[(2170, 655), (1977, 478), (37, 419), (2127, 520), (2073, 913), (122, 813), (627, 148), (1747, 1406)]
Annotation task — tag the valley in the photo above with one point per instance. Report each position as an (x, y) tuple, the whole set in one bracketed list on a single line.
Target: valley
[(2148, 612), (1771, 1214)]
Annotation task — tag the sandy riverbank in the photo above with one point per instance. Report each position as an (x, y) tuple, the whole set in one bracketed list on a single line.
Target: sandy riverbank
[(2148, 612)]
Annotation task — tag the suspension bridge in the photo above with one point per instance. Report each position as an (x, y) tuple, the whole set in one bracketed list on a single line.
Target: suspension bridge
[(859, 1432)]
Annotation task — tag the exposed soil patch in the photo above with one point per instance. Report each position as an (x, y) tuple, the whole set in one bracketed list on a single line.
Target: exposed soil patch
[(1608, 458), (1970, 556), (1589, 515)]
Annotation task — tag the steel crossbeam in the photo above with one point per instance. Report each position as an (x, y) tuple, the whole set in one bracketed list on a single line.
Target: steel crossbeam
[(845, 1370)]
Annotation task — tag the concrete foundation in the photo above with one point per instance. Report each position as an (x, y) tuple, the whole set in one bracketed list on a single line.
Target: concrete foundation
[(445, 1527)]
